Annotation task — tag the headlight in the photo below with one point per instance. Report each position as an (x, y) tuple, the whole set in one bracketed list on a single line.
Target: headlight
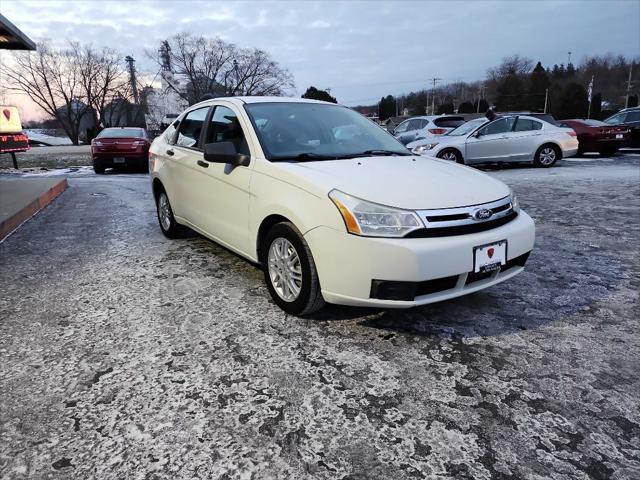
[(420, 149), (370, 219), (514, 202)]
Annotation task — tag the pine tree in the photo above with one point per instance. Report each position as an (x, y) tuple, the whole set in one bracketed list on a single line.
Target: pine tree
[(538, 84)]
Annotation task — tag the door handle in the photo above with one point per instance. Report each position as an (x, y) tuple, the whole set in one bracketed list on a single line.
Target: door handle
[(203, 164), (170, 152)]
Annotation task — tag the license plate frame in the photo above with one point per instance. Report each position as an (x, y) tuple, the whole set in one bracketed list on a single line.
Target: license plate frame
[(483, 263)]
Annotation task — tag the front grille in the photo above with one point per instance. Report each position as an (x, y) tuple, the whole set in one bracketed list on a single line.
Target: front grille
[(515, 262), (462, 229), (395, 290), (446, 222)]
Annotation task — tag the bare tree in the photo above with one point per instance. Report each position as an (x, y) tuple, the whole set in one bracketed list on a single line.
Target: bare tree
[(213, 66), (103, 79), (51, 79)]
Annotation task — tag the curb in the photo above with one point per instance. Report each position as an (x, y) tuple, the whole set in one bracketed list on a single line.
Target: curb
[(12, 223)]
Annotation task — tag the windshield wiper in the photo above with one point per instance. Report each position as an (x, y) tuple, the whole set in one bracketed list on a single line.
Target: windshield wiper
[(305, 157), (378, 153)]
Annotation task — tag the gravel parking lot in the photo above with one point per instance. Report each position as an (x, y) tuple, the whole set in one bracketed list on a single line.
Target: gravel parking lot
[(124, 355)]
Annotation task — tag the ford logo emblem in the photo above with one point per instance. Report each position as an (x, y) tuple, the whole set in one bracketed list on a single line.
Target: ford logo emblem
[(482, 214)]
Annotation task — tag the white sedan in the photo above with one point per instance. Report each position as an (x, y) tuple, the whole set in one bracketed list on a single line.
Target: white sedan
[(332, 207), (513, 138)]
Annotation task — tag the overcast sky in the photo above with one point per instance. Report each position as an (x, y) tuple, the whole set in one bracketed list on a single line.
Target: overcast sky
[(361, 50)]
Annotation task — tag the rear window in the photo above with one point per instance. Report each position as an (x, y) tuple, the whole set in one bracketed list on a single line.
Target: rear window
[(547, 118), (449, 122), (121, 133), (593, 123)]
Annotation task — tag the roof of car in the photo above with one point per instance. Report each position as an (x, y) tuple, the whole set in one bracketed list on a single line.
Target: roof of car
[(259, 99)]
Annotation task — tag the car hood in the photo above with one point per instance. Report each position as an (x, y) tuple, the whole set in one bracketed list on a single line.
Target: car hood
[(411, 182), (440, 140)]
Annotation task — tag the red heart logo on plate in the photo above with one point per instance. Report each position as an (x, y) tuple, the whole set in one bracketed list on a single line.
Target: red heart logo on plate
[(490, 252), (7, 113)]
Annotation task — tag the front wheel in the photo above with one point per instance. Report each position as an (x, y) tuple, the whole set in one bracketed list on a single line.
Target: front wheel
[(290, 272), (451, 155), (546, 156)]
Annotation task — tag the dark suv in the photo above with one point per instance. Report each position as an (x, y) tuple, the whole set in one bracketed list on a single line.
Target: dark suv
[(631, 118)]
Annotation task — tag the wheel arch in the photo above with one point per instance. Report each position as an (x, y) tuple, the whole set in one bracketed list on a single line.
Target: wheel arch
[(552, 144), (264, 227), (157, 187), (455, 149)]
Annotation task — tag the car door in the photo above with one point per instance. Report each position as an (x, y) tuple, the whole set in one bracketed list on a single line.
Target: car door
[(525, 139), (221, 191), (184, 149), (413, 128), (401, 129), (491, 143)]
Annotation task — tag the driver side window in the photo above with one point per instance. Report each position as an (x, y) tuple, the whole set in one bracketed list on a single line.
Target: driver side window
[(225, 127), (190, 129), (402, 127), (502, 125)]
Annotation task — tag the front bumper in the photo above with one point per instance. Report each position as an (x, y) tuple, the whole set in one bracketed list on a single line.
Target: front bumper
[(347, 264)]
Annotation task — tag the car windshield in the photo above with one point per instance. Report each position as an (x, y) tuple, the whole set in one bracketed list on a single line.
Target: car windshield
[(121, 133), (468, 127), (316, 131)]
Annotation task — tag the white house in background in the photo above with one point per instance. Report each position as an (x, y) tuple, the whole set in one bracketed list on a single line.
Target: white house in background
[(164, 104)]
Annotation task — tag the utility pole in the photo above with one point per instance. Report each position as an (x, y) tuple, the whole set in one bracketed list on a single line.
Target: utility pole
[(480, 97), (546, 98), (569, 61), (132, 78), (433, 92), (626, 103)]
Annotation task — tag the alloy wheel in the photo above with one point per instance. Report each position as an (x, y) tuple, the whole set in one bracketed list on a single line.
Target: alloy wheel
[(285, 270), (449, 156), (547, 156)]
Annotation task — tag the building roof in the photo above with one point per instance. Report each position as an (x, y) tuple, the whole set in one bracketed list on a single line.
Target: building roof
[(11, 38)]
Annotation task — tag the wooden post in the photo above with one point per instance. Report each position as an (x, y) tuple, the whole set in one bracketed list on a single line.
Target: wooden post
[(13, 158)]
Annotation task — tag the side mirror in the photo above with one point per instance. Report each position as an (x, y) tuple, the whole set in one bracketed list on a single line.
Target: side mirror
[(225, 152)]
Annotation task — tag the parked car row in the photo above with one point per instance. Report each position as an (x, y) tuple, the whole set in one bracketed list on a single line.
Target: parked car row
[(522, 137)]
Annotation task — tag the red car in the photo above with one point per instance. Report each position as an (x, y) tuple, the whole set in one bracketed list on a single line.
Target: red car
[(121, 147), (597, 136)]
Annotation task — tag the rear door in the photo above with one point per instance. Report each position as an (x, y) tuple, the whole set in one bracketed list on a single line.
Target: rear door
[(525, 139), (182, 154), (491, 143)]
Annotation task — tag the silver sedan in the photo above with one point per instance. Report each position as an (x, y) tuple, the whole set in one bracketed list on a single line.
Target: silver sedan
[(513, 138)]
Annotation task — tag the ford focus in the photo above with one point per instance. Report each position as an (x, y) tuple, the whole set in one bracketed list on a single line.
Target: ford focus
[(333, 208)]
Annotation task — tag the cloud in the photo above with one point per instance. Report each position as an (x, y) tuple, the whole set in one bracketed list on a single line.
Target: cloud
[(362, 50)]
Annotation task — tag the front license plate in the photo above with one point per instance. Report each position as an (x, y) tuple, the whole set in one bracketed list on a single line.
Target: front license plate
[(490, 257), (118, 160), (619, 135)]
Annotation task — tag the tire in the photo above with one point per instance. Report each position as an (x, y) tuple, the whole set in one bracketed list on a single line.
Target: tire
[(144, 165), (285, 239), (609, 152), (451, 154), (170, 228), (547, 156), (98, 167)]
